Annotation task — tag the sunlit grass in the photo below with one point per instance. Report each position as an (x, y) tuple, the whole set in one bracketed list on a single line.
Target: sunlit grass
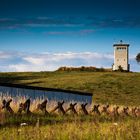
[(107, 87), (37, 126), (86, 130)]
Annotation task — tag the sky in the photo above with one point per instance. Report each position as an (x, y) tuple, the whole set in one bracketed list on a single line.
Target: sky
[(43, 35)]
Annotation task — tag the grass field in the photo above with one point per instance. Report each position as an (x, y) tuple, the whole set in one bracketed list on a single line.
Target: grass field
[(107, 87), (89, 128), (114, 88), (37, 126)]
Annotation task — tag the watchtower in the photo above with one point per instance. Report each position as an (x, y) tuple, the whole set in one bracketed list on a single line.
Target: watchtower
[(121, 56)]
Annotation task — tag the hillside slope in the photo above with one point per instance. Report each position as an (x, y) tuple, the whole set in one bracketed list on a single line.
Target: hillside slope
[(107, 87)]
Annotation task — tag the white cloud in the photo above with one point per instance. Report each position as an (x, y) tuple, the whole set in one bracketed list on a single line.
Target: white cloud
[(6, 55), (41, 59), (35, 60), (26, 67), (52, 61)]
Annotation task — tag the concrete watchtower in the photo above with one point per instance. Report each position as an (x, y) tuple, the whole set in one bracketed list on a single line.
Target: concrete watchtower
[(121, 56)]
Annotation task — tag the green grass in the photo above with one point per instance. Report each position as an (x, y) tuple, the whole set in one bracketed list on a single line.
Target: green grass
[(72, 128), (107, 87)]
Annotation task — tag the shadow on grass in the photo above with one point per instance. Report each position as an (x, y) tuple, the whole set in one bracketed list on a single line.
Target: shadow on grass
[(16, 79)]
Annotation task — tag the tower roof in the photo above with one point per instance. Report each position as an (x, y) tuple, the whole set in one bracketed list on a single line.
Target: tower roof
[(121, 44)]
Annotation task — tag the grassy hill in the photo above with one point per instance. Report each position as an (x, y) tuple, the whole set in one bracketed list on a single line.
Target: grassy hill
[(107, 87)]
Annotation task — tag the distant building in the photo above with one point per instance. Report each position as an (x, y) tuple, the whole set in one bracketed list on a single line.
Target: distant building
[(121, 56)]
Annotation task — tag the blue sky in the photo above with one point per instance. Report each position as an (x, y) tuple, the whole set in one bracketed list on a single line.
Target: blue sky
[(40, 35)]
